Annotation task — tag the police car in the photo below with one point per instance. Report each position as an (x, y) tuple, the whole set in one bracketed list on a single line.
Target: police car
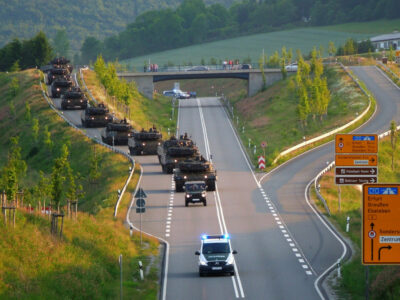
[(216, 255)]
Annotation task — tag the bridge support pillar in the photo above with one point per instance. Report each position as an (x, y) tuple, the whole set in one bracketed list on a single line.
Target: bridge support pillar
[(255, 83)]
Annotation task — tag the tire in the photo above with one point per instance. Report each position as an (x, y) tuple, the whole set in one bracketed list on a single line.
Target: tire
[(232, 273), (186, 203), (169, 170), (178, 187), (201, 274), (205, 202), (132, 151)]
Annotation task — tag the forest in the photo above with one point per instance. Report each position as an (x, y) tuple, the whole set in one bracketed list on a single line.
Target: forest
[(194, 22), (98, 18)]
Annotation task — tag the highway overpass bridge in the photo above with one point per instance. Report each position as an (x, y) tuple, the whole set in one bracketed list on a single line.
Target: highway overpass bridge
[(145, 81)]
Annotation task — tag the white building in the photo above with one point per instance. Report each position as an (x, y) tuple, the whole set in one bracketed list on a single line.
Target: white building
[(385, 40)]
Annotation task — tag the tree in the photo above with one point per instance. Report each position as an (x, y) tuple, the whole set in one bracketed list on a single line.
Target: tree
[(90, 49), (331, 49), (46, 138), (94, 173), (303, 107), (14, 86), (27, 111), (60, 168), (393, 139), (35, 129), (391, 56), (15, 67), (61, 43)]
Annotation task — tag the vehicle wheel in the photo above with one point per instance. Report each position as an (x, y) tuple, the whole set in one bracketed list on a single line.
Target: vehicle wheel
[(232, 273), (163, 169), (205, 203), (201, 274), (178, 187), (132, 151), (169, 170), (186, 203)]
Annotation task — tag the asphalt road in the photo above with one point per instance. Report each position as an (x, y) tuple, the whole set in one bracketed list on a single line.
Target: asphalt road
[(283, 247)]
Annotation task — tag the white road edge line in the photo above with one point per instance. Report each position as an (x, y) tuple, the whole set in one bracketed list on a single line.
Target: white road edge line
[(164, 292), (218, 200), (333, 233)]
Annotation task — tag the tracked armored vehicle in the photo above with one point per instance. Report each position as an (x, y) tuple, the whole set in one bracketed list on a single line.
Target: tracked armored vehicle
[(60, 86), (96, 116), (145, 142), (195, 169), (117, 133), (174, 150), (62, 62), (74, 98), (57, 73)]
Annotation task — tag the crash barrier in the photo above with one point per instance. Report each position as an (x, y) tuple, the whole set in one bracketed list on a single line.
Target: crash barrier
[(388, 70), (318, 138), (116, 150)]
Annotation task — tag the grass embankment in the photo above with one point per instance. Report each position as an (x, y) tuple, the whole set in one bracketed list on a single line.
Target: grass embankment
[(83, 263), (388, 69), (384, 280), (143, 112), (375, 27), (271, 115)]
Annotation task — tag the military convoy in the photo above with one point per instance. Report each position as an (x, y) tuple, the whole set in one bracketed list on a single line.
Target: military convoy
[(174, 150), (74, 98), (195, 169), (96, 116), (57, 73), (145, 142), (61, 62), (117, 133)]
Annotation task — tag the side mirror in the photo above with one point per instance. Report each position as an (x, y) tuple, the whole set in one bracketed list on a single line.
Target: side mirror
[(234, 252), (197, 253)]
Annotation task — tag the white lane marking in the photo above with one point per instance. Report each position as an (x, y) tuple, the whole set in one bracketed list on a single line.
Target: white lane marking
[(167, 234), (301, 260), (298, 254), (235, 287), (220, 213), (304, 266)]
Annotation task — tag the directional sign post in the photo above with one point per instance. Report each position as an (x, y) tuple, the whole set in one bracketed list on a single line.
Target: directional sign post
[(140, 207), (356, 159), (381, 226)]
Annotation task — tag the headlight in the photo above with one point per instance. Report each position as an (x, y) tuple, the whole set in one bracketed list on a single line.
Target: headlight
[(230, 259), (202, 260), (187, 196), (143, 144), (175, 160), (185, 177), (92, 118), (68, 101), (205, 176), (105, 118), (81, 100), (159, 144), (58, 89), (203, 194)]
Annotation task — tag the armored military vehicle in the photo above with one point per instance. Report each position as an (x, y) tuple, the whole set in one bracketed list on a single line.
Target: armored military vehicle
[(57, 73), (174, 150), (60, 86), (62, 62), (74, 98), (195, 169), (96, 116), (117, 133), (145, 142)]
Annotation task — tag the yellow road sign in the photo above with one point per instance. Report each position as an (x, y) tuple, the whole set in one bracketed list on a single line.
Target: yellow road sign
[(356, 143), (356, 160), (381, 224)]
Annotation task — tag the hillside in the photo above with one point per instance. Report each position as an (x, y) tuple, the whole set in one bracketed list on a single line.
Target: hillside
[(96, 18), (83, 263)]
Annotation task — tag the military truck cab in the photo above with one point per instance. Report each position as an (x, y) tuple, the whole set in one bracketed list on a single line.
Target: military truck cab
[(74, 98), (145, 142), (57, 73), (96, 116)]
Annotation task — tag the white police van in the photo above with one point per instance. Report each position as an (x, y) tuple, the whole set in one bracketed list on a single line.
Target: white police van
[(216, 255)]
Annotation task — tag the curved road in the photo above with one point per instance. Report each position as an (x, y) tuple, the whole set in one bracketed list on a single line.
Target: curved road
[(283, 247)]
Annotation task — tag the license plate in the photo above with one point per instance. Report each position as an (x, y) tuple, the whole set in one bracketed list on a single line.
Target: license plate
[(195, 200), (216, 268)]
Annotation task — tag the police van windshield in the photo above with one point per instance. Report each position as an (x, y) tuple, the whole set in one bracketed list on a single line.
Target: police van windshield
[(213, 248)]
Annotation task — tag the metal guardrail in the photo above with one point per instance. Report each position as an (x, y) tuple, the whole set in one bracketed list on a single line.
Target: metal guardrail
[(391, 72), (121, 194)]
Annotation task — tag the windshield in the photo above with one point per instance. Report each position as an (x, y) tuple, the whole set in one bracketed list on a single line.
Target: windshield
[(213, 248), (195, 187)]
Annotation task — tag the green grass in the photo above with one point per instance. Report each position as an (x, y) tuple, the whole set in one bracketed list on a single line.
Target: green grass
[(143, 112), (372, 27), (271, 116), (351, 199), (83, 264), (252, 45)]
